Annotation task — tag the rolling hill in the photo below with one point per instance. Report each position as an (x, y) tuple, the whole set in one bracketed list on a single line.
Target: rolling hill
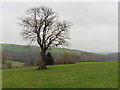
[(14, 64), (25, 48), (25, 54)]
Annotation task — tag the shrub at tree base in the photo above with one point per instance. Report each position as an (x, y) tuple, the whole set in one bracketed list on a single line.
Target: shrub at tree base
[(62, 58), (49, 59)]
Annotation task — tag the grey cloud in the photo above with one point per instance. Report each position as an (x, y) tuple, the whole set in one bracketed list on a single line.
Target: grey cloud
[(94, 24)]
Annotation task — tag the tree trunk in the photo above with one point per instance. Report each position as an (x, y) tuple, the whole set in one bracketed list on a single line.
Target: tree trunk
[(43, 63)]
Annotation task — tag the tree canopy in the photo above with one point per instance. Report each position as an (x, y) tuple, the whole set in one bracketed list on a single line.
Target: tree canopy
[(41, 24)]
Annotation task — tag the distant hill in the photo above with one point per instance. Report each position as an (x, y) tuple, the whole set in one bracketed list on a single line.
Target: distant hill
[(24, 53), (25, 48), (113, 56), (13, 64)]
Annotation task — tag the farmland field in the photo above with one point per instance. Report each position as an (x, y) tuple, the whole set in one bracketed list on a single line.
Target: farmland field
[(79, 75), (13, 64)]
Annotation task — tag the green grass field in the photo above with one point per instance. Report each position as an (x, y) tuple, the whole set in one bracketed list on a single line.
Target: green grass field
[(80, 75), (13, 64)]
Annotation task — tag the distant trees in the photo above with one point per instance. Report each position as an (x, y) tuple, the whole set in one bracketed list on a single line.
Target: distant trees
[(49, 59), (4, 58), (66, 58), (5, 61), (41, 24)]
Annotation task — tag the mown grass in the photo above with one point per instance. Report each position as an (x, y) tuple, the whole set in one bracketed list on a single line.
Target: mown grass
[(80, 75)]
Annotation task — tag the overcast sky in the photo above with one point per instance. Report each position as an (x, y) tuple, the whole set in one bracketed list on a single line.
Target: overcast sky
[(95, 24)]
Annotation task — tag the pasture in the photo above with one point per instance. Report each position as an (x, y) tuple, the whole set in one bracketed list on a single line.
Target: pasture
[(79, 75)]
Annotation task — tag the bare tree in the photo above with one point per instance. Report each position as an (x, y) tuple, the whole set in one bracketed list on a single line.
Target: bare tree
[(41, 24)]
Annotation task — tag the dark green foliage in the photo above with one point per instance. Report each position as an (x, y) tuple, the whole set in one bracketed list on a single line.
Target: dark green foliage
[(49, 59)]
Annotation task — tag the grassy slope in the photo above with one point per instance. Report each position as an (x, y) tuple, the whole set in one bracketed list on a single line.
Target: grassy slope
[(18, 48), (22, 48), (80, 75), (14, 64)]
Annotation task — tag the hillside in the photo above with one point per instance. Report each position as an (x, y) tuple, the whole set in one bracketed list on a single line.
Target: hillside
[(79, 75), (25, 48), (23, 53), (112, 56), (13, 64)]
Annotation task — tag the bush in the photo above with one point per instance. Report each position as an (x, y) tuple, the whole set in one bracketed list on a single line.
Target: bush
[(49, 59), (66, 59), (59, 58)]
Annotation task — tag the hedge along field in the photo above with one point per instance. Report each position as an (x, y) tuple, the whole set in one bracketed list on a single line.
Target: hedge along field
[(80, 75)]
